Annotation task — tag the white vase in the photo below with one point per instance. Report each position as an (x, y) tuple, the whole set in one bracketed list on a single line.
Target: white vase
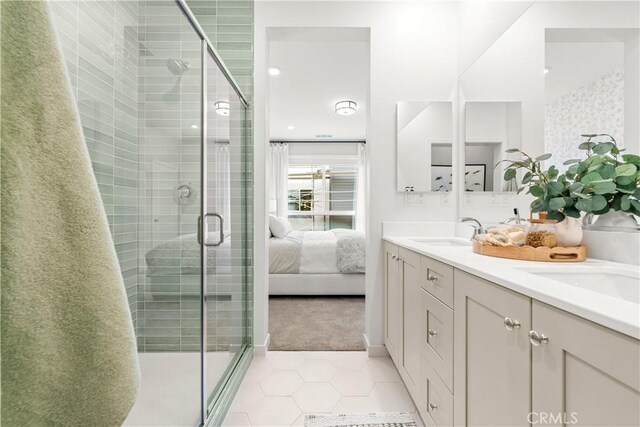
[(569, 232), (615, 220)]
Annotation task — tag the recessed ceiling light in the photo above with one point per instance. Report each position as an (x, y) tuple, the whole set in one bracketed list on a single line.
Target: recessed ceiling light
[(274, 71), (346, 108), (194, 126), (222, 108), (291, 127), (547, 69)]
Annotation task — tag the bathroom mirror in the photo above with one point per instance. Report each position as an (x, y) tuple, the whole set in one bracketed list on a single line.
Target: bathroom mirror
[(491, 128), (591, 86), (424, 146)]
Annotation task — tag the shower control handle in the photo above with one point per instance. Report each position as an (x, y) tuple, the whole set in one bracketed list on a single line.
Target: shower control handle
[(205, 235)]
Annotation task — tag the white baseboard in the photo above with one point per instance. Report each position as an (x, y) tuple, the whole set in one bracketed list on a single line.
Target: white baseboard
[(374, 350), (261, 350)]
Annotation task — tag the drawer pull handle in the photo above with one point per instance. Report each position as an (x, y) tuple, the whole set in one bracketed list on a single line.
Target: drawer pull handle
[(511, 324), (432, 333), (432, 278), (536, 339), (433, 406)]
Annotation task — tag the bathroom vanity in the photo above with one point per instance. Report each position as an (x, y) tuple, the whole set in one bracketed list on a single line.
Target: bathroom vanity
[(487, 341)]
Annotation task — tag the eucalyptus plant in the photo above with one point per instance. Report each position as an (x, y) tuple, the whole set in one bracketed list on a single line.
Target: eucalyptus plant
[(604, 180)]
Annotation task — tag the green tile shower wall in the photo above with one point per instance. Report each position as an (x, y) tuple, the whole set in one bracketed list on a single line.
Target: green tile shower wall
[(142, 146), (99, 44)]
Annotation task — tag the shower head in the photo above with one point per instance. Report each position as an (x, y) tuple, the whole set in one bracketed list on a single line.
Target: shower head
[(177, 66)]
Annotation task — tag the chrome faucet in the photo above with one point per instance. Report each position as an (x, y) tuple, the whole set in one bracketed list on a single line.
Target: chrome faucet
[(477, 227)]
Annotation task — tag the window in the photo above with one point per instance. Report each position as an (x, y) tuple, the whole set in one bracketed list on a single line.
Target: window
[(322, 197)]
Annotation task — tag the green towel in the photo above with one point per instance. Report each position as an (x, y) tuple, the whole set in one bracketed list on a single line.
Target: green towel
[(68, 346)]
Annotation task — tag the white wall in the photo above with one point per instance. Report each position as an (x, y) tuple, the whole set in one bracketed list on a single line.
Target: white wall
[(413, 57), (512, 69)]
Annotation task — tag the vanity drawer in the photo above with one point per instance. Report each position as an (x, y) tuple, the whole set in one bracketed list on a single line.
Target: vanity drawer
[(437, 336), (437, 279), (436, 401)]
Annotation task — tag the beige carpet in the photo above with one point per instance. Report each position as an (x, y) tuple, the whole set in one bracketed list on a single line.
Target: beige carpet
[(316, 323)]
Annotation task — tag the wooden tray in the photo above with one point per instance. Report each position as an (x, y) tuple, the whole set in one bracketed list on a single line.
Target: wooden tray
[(529, 253)]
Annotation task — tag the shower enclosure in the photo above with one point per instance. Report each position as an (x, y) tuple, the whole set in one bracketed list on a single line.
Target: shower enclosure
[(166, 127)]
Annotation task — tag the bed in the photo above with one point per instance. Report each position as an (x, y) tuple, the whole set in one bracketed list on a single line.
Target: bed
[(317, 263)]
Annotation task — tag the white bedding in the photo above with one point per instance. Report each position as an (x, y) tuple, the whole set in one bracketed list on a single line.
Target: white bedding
[(318, 254)]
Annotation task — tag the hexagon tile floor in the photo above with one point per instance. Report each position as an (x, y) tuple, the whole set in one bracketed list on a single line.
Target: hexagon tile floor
[(282, 387)]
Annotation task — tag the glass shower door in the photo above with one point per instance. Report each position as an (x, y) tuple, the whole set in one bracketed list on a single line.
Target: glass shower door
[(225, 294)]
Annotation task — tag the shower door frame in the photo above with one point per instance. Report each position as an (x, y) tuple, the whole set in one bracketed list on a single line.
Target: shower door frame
[(211, 410)]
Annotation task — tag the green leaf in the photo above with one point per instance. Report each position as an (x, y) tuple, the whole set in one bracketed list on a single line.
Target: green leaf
[(571, 161), (635, 204), (625, 202), (608, 171), (603, 187), (576, 186), (536, 191), (557, 203), (625, 180), (573, 169), (552, 173), (527, 178), (593, 204), (580, 195), (603, 147), (590, 177), (626, 169), (512, 150), (587, 145), (582, 167), (568, 201), (555, 188), (509, 174), (553, 214), (631, 158), (543, 157), (538, 205), (572, 212)]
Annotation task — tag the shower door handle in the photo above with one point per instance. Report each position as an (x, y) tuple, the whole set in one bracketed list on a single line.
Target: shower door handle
[(206, 235)]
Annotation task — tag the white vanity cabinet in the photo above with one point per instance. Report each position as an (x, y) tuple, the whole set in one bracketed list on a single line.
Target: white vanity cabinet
[(583, 373), (392, 301), (402, 312), (474, 353), (492, 354)]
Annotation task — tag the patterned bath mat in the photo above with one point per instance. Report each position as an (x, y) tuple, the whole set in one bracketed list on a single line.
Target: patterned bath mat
[(390, 419)]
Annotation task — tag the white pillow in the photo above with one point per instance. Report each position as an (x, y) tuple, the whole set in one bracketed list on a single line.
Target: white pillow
[(279, 227)]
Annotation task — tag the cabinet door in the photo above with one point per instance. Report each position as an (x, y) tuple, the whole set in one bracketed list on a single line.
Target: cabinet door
[(392, 299), (585, 374), (411, 325), (492, 364)]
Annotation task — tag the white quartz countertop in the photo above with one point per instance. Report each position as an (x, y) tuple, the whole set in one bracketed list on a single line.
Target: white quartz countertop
[(619, 314)]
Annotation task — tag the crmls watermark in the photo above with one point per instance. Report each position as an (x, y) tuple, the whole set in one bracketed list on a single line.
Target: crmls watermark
[(555, 418)]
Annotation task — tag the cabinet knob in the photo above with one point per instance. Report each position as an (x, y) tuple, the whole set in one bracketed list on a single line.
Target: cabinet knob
[(394, 257), (432, 333), (398, 259), (433, 406), (510, 324), (432, 278), (536, 339)]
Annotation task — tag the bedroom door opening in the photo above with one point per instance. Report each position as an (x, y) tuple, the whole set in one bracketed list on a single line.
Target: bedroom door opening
[(318, 93)]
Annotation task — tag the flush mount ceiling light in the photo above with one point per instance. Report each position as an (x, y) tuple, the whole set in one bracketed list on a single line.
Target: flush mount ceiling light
[(222, 107), (291, 127), (346, 108), (274, 71)]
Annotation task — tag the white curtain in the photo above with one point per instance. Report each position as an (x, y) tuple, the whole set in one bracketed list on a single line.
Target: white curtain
[(279, 177), (220, 184), (361, 188)]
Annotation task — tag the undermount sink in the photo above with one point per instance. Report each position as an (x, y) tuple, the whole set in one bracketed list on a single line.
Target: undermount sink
[(624, 285), (442, 241)]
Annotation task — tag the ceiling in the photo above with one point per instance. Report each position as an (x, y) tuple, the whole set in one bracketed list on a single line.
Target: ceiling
[(319, 67)]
